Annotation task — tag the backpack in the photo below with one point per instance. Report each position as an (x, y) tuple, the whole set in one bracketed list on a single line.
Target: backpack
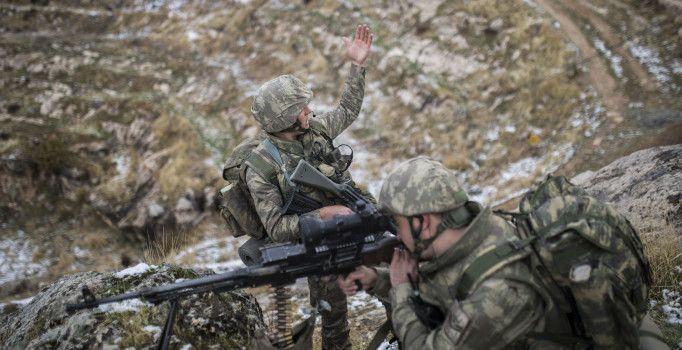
[(588, 259), (237, 207)]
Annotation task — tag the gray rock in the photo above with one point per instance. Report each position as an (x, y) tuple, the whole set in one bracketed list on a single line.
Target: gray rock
[(645, 186)]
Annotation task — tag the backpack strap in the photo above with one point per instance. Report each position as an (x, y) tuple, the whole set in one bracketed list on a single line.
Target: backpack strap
[(491, 262), (265, 168), (274, 152)]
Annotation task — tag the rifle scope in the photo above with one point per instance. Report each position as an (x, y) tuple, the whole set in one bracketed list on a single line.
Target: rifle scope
[(343, 229)]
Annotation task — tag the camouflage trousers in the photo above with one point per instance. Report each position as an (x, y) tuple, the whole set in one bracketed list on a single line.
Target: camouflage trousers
[(335, 330)]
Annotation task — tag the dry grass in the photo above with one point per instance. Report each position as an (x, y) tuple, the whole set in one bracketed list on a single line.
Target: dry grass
[(163, 247), (473, 124), (664, 248), (178, 167)]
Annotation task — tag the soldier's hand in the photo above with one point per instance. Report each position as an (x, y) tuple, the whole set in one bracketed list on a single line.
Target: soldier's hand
[(363, 275), (401, 265), (330, 211), (358, 50)]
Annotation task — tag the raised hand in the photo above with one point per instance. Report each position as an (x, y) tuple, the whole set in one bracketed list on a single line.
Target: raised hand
[(358, 50)]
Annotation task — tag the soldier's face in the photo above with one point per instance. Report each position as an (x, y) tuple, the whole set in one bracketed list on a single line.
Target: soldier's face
[(303, 117)]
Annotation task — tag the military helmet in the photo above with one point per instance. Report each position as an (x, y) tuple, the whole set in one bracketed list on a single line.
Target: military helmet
[(279, 103), (421, 186)]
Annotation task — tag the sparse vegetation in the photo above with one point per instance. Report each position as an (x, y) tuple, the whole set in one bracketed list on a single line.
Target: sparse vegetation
[(162, 248), (133, 325), (664, 248)]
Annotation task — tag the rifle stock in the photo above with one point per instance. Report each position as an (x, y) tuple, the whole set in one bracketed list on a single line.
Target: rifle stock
[(306, 174)]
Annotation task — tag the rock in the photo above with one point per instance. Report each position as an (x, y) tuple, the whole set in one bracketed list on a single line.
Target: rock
[(207, 320), (645, 186)]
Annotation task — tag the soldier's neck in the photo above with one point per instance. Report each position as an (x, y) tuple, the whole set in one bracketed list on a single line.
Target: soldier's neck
[(287, 135)]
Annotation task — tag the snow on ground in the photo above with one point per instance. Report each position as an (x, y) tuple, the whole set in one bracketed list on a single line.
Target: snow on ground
[(210, 254), (16, 258), (122, 306), (19, 303), (673, 306)]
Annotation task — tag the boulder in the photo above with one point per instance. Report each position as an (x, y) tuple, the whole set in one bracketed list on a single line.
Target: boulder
[(646, 186), (204, 321)]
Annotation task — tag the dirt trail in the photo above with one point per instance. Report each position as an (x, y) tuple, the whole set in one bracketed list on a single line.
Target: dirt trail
[(583, 9), (598, 71), (602, 80), (605, 144)]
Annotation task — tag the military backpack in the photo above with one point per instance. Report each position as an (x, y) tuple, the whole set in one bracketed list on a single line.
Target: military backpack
[(237, 207), (588, 258)]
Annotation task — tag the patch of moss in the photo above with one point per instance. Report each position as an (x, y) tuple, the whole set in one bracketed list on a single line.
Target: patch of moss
[(132, 326), (9, 308), (122, 285), (37, 327)]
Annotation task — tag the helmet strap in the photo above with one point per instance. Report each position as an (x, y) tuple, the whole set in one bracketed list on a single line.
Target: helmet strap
[(454, 219), (420, 245), (296, 127)]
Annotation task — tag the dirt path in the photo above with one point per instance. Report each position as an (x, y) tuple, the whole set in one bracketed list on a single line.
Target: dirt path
[(602, 80), (583, 8), (598, 71)]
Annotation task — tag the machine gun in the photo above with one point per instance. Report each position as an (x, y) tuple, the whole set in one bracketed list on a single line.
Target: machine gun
[(330, 247)]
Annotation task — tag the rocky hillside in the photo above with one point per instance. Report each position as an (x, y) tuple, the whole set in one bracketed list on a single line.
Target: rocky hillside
[(116, 115)]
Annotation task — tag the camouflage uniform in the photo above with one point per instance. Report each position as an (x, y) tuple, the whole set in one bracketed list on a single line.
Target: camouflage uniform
[(499, 312), (496, 315), (269, 199)]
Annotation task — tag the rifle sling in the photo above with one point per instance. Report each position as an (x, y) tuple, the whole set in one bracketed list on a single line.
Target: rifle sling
[(380, 335)]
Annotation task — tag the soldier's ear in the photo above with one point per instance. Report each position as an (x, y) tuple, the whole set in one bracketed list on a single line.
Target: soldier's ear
[(426, 224), (420, 223)]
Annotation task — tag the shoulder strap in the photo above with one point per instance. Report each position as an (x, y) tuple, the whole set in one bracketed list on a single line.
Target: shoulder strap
[(490, 262), (380, 335), (275, 155), (265, 168)]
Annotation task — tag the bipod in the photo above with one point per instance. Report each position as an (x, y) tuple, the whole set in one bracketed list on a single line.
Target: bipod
[(168, 327)]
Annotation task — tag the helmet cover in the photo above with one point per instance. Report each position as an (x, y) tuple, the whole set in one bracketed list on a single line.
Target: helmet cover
[(279, 102)]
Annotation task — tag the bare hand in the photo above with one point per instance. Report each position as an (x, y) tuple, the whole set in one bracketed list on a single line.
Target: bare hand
[(401, 265), (364, 275), (330, 211), (359, 49)]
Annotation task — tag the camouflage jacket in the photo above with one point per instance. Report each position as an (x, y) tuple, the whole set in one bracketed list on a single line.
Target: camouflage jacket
[(496, 315), (270, 199)]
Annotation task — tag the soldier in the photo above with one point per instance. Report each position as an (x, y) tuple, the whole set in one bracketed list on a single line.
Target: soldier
[(439, 226), (293, 133)]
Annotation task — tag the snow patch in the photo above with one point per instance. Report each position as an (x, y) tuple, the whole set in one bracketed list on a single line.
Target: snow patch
[(135, 270)]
